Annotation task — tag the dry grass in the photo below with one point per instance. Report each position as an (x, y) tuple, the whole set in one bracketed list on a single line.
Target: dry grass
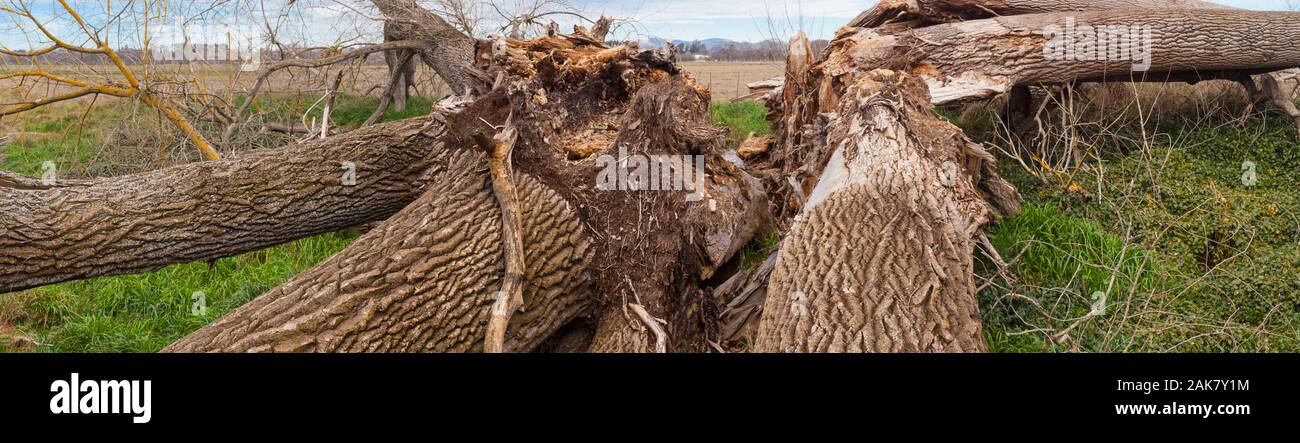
[(727, 80)]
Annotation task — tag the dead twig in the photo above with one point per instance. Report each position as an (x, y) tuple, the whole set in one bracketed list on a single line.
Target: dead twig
[(661, 337)]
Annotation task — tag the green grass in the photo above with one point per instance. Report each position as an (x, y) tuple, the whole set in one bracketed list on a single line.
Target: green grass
[(1075, 252), (1219, 260), (62, 137), (759, 249), (1171, 198), (1065, 260), (349, 110), (145, 312), (742, 118)]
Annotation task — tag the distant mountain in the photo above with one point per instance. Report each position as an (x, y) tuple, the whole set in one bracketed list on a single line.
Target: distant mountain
[(710, 44)]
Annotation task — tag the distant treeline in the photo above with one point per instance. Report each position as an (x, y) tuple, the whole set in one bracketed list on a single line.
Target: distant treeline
[(212, 54), (767, 50)]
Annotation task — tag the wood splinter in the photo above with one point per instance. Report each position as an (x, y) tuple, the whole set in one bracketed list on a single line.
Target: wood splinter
[(510, 298)]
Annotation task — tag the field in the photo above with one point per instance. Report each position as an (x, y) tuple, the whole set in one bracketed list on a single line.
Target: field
[(1151, 213), (727, 80)]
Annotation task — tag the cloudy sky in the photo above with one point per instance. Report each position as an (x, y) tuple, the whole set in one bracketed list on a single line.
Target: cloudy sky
[(341, 21), (747, 20)]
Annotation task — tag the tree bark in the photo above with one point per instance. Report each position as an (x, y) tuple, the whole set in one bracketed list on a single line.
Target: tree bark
[(447, 51), (204, 211), (421, 281), (980, 58), (880, 259), (879, 250), (930, 12), (401, 69)]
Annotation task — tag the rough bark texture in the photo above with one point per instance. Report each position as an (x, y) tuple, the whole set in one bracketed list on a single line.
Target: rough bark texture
[(421, 280), (981, 58), (446, 51), (884, 199), (881, 257), (424, 280), (930, 12), (204, 211)]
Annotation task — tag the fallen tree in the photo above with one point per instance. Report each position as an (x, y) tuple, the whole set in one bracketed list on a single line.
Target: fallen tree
[(426, 279), (890, 229), (980, 58), (858, 132), (76, 229), (533, 230), (916, 13)]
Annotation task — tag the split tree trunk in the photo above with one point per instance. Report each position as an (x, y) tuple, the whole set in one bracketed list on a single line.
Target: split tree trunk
[(422, 280), (209, 210), (881, 257), (900, 196)]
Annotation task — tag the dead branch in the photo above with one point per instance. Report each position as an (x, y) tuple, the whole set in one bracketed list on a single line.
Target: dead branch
[(134, 89), (510, 298)]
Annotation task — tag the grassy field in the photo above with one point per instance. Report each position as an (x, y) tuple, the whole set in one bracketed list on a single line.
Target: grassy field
[(1144, 238), (727, 80), (143, 313), (1154, 217)]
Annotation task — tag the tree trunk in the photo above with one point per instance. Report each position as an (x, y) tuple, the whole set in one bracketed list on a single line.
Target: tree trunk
[(930, 12), (981, 58), (424, 279), (204, 211), (885, 199), (447, 51), (403, 73), (881, 257)]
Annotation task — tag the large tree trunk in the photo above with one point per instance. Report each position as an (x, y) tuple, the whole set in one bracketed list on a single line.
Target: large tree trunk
[(881, 257), (204, 211), (903, 196), (885, 200), (929, 12), (981, 58), (424, 280)]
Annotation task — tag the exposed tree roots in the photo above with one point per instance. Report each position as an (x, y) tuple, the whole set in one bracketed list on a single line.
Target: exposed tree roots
[(416, 282), (576, 197)]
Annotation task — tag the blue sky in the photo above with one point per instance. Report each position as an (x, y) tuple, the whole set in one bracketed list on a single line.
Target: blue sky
[(327, 22)]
